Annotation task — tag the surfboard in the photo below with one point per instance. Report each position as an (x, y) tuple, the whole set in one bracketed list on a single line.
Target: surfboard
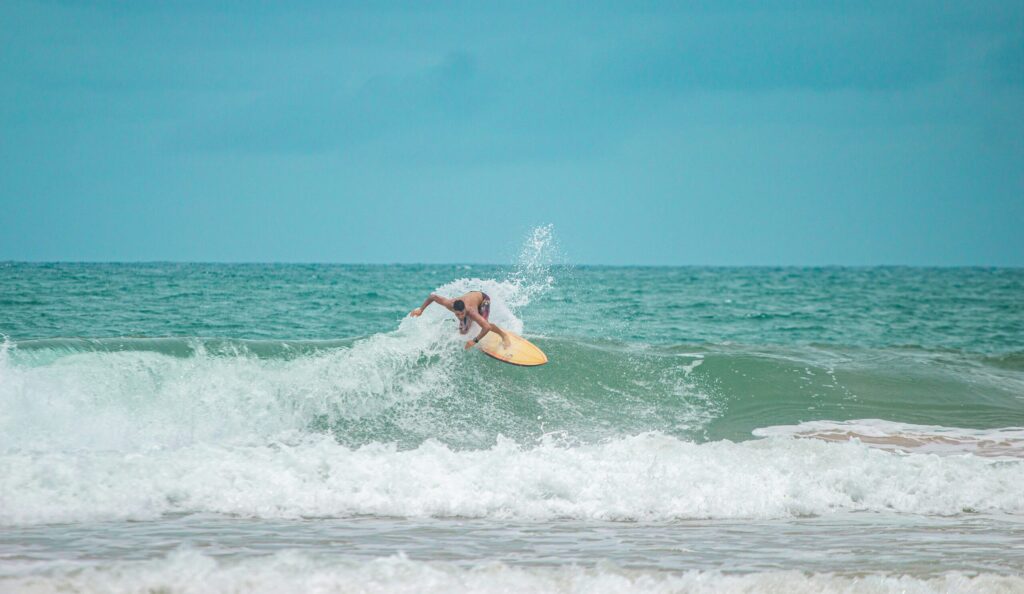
[(520, 352)]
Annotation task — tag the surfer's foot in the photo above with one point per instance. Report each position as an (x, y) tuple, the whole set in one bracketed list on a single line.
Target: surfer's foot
[(505, 342)]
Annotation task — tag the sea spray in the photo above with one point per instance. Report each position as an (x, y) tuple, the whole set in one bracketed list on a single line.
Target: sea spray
[(532, 275)]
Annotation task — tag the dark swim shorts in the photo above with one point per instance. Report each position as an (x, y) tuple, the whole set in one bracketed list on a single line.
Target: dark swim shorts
[(484, 310)]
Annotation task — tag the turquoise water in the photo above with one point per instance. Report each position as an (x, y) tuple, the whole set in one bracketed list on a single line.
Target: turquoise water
[(717, 428), (978, 310)]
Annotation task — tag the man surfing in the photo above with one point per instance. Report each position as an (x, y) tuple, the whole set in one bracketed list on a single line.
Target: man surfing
[(474, 306)]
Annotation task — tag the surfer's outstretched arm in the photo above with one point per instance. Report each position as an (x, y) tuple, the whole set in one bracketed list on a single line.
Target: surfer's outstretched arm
[(486, 327), (447, 303)]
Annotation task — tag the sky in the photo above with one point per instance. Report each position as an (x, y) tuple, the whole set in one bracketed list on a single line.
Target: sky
[(646, 133)]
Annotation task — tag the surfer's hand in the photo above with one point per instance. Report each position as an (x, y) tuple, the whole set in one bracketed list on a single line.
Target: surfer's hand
[(469, 344), (416, 312)]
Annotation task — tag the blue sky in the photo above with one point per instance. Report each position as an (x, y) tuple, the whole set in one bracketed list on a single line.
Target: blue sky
[(647, 133)]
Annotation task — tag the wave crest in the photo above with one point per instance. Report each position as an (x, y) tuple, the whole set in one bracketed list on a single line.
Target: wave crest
[(650, 477)]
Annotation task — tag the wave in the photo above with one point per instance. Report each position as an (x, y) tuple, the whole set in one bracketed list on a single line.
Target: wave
[(1004, 442), (184, 571), (41, 351), (416, 383), (649, 477), (407, 386)]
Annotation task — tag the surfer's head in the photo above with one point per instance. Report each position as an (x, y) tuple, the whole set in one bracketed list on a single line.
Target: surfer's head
[(460, 308)]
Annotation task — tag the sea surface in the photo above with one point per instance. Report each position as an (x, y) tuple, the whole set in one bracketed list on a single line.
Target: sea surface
[(172, 427)]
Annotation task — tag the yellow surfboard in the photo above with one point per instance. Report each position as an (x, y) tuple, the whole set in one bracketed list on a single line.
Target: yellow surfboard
[(519, 352)]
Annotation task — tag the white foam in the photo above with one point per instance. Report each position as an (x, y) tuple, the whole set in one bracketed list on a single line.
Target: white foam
[(137, 399), (907, 437), (191, 572), (645, 477)]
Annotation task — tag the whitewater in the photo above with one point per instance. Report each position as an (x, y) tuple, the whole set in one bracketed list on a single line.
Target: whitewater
[(269, 428)]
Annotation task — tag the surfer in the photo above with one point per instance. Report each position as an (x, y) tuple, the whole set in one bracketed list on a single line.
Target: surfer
[(474, 306)]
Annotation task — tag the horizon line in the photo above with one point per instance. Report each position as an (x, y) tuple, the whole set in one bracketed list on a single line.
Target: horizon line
[(495, 265)]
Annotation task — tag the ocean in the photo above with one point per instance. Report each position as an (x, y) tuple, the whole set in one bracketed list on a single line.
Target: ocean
[(171, 427)]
